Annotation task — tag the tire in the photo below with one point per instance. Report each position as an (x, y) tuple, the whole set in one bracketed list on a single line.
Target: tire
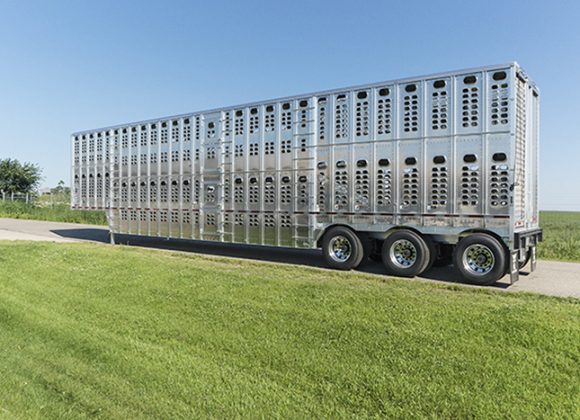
[(405, 254), (480, 259), (342, 248), (432, 253)]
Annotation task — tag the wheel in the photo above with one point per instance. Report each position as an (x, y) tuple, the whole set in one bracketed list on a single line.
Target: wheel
[(405, 254), (433, 252), (342, 248), (480, 259)]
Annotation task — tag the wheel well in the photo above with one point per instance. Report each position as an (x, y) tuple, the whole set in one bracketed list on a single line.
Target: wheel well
[(378, 236), (466, 233), (356, 232)]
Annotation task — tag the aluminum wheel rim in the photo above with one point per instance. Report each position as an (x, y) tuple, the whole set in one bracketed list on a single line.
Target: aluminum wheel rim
[(403, 253), (478, 259), (340, 248)]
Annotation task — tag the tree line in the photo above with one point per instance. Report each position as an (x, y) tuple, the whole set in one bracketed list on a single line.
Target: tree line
[(16, 177)]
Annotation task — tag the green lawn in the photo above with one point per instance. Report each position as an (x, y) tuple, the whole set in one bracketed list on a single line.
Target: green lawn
[(92, 330), (561, 236)]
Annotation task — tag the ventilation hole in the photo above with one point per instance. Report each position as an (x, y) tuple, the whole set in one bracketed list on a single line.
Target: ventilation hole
[(411, 88), (211, 125), (322, 165), (500, 75), (361, 95), (469, 80), (469, 158), (499, 157), (439, 159), (361, 163), (286, 106), (269, 180), (302, 178), (239, 113), (186, 182), (285, 179), (321, 100), (410, 161), (238, 181), (383, 92), (384, 162), (439, 84), (269, 108), (253, 180), (341, 164), (175, 123), (254, 111), (163, 124), (186, 121), (303, 104)]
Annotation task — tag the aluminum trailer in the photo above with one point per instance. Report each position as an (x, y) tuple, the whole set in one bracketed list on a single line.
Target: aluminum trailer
[(435, 169)]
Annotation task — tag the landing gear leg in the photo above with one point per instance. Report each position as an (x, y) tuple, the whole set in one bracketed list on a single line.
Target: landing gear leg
[(111, 232)]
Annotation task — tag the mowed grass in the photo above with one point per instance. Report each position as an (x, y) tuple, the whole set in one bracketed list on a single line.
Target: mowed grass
[(561, 236), (91, 330), (55, 213)]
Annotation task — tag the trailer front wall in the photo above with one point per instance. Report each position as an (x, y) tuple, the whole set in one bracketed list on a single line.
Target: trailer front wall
[(435, 153)]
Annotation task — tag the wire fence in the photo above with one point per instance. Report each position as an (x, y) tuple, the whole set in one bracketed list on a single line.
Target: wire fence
[(27, 198)]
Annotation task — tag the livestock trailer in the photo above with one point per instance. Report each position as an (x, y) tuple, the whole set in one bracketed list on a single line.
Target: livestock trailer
[(435, 169)]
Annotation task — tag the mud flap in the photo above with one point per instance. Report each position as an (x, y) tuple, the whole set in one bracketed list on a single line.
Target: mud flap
[(533, 260), (514, 266)]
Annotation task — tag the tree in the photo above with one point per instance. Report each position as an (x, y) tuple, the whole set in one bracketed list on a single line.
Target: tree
[(19, 177), (60, 189)]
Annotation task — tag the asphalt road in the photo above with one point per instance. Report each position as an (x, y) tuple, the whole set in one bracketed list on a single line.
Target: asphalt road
[(550, 278)]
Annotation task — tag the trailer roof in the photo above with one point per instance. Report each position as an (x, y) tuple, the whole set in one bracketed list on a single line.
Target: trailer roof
[(316, 93)]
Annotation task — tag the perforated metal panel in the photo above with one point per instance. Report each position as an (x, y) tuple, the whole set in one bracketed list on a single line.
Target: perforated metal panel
[(440, 153)]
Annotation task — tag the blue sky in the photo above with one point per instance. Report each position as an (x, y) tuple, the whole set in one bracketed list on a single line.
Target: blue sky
[(74, 65)]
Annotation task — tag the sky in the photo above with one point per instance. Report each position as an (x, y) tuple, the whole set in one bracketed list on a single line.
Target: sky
[(67, 66)]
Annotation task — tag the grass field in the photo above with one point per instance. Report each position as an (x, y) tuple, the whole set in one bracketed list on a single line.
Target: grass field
[(90, 330), (561, 236), (56, 213)]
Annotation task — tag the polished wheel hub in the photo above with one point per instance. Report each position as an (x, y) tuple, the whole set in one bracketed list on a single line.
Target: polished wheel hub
[(403, 253), (478, 259), (340, 248)]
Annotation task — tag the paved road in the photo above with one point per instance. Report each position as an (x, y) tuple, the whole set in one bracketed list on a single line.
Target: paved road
[(550, 278)]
